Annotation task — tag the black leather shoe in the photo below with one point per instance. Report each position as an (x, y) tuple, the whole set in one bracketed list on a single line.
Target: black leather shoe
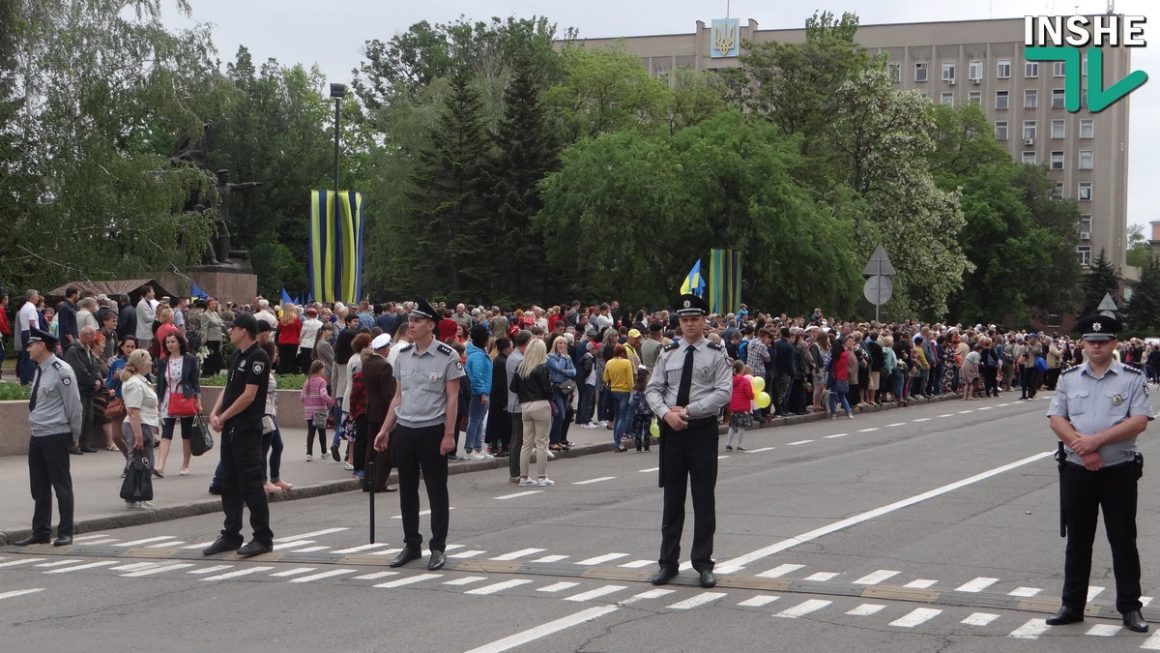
[(663, 576), (76, 451), (32, 539), (220, 545), (87, 449), (65, 540), (1134, 621), (708, 578), (254, 547), (405, 556), (438, 559), (1066, 616)]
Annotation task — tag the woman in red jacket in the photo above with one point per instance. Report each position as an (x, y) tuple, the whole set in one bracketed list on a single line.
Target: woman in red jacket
[(840, 378), (289, 335)]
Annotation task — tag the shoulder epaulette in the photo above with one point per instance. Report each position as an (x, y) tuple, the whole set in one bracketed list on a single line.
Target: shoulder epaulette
[(445, 349), (713, 345), (671, 346), (407, 347), (56, 365), (1133, 370), (1070, 370)]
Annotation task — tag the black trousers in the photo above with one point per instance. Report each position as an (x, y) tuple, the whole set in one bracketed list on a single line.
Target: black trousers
[(1028, 382), (242, 477), (1084, 493), (417, 450), (990, 382), (689, 455), (48, 472), (360, 443)]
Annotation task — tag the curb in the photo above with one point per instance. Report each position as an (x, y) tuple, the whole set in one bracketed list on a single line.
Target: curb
[(209, 506)]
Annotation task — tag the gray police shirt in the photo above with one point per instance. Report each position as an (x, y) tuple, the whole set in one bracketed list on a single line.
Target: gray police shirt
[(58, 401), (1093, 404), (712, 381), (423, 383)]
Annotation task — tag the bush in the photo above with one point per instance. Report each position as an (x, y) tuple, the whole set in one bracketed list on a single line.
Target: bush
[(14, 391)]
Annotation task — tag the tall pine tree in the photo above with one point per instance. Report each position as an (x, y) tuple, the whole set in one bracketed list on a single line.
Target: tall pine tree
[(1143, 313), (1100, 281)]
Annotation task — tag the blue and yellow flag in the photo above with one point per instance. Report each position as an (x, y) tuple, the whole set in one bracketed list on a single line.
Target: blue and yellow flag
[(336, 246), (694, 283)]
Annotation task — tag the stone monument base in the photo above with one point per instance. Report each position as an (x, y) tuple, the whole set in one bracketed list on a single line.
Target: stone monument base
[(234, 282)]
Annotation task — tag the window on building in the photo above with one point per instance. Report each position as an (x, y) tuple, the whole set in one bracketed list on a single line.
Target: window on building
[(1057, 160), (1087, 128), (947, 98), (1031, 69), (1057, 69), (1001, 130), (1057, 98), (1058, 129), (948, 71), (1085, 255), (1029, 157), (1085, 191), (1029, 130), (975, 97), (1030, 99), (920, 71), (1085, 160), (1057, 192), (1003, 69), (975, 69), (1085, 227), (1001, 99), (895, 72)]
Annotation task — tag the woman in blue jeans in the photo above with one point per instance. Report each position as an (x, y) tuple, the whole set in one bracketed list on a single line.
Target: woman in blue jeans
[(619, 377), (840, 378), (562, 373)]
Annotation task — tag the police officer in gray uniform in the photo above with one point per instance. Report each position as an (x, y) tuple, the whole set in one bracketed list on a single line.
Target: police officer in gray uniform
[(420, 428), (690, 384), (55, 416), (1098, 410)]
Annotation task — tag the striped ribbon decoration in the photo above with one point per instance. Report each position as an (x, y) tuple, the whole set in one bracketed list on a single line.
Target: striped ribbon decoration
[(724, 281), (336, 246)]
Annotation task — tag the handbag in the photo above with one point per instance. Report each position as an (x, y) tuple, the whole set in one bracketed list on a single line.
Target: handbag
[(179, 404), (566, 387), (115, 409), (201, 439), (320, 419), (138, 483)]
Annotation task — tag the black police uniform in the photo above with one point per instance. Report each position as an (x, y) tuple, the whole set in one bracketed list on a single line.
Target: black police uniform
[(242, 473)]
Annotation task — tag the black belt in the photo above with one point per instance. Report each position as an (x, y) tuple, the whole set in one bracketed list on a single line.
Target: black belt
[(702, 421)]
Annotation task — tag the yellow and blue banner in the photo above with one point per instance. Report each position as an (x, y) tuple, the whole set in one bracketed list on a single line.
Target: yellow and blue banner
[(694, 283), (336, 246), (724, 281)]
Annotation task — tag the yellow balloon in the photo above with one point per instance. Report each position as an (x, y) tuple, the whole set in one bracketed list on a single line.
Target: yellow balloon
[(762, 400), (654, 429), (758, 384)]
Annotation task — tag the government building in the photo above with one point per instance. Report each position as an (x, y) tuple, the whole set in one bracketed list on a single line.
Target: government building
[(974, 61)]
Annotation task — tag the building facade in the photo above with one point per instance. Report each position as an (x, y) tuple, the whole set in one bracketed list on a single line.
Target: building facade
[(959, 62)]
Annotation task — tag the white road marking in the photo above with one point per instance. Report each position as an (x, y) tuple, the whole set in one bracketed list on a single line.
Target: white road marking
[(90, 565), (896, 424), (466, 580), (920, 583), (1001, 405), (915, 617), (1152, 643), (104, 541), (498, 587), (199, 545), (722, 457), (758, 601), (292, 545), (60, 563), (466, 554), (325, 531), (1030, 630), (802, 609), (1025, 592), (326, 574), (637, 564), (158, 570), (594, 480), (650, 469), (1103, 630), (794, 444), (761, 450), (552, 558), (237, 574), (814, 534), (94, 536), (15, 563), (146, 541), (136, 566), (947, 415), (293, 572), (607, 557), (518, 554), (876, 577), (364, 547), (645, 596), (822, 576), (409, 580), (921, 419), (866, 609), (867, 430), (15, 593), (984, 408), (377, 575), (558, 587), (596, 593), (543, 630), (980, 619), (696, 601), (1094, 591), (422, 513), (779, 571), (836, 435), (977, 585), (517, 494), (386, 552), (1145, 600), (311, 549), (210, 570), (964, 412), (167, 545)]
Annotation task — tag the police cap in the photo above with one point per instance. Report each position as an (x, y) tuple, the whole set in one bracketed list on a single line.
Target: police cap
[(690, 306), (36, 335), (1098, 328), (248, 322), (423, 311)]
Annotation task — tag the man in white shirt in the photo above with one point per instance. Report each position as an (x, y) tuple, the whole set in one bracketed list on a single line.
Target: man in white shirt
[(266, 315), (146, 313), (27, 319)]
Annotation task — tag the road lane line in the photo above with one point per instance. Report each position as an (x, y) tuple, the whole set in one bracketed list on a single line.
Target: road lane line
[(650, 469), (722, 457), (311, 549), (645, 596), (822, 576), (947, 415), (596, 593), (364, 547), (60, 563), (145, 541), (896, 424), (292, 545), (980, 619), (518, 554), (543, 630), (964, 412), (637, 564), (558, 587), (876, 577), (814, 534), (780, 570), (866, 609), (920, 583), (209, 570), (758, 601), (90, 565), (836, 435), (1024, 592), (409, 580), (1030, 630), (915, 617), (984, 407), (167, 545), (15, 593), (696, 601), (237, 574), (1146, 600), (1094, 591), (802, 609), (761, 450), (517, 494), (608, 557), (977, 585), (1152, 643), (293, 572), (463, 555), (326, 574), (95, 536), (1001, 405), (466, 580), (325, 531), (1103, 630), (921, 419), (552, 558), (136, 566), (867, 430), (377, 575), (498, 587), (595, 480), (15, 563), (158, 570), (103, 541)]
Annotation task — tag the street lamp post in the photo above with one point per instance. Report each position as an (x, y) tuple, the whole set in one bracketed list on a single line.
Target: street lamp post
[(337, 91)]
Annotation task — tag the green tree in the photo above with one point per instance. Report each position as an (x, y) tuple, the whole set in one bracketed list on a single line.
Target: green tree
[(1142, 315), (606, 90), (1100, 281), (1056, 288), (1139, 251)]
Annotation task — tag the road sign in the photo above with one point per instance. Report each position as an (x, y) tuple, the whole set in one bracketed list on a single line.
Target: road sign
[(879, 264), (1107, 306), (878, 290)]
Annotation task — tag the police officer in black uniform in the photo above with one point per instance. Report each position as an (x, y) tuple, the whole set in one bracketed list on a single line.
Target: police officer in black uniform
[(237, 414), (1098, 410), (420, 429), (690, 384)]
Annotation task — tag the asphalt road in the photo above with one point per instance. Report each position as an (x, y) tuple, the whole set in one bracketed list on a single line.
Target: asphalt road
[(906, 530)]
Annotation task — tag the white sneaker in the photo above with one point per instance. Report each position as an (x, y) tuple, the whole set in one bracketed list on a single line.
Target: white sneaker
[(591, 426), (347, 466), (603, 423), (474, 456), (309, 458), (545, 482), (485, 456), (528, 482), (551, 456)]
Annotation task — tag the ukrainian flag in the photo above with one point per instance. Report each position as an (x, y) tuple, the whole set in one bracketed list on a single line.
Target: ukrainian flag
[(336, 246), (694, 282)]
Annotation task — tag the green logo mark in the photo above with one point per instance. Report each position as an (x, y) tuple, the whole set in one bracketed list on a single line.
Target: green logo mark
[(1098, 98)]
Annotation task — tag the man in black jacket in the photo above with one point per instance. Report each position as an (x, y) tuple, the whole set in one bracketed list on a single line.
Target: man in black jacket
[(877, 364), (88, 372)]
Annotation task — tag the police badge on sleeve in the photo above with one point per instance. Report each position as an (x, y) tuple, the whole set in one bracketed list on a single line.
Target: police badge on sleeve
[(258, 367)]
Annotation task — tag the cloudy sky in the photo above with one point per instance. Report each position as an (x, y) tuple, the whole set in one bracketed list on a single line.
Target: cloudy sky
[(331, 34)]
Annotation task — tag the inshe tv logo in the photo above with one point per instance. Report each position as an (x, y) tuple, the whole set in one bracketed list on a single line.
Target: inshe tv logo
[(1059, 38)]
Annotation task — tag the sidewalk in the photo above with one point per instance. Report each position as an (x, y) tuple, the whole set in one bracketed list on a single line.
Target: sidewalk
[(97, 482)]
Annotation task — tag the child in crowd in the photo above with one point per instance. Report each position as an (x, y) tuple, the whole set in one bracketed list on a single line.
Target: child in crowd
[(739, 405), (316, 402), (642, 415)]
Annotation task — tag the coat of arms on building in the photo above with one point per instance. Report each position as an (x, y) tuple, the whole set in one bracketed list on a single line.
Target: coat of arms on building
[(726, 36)]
